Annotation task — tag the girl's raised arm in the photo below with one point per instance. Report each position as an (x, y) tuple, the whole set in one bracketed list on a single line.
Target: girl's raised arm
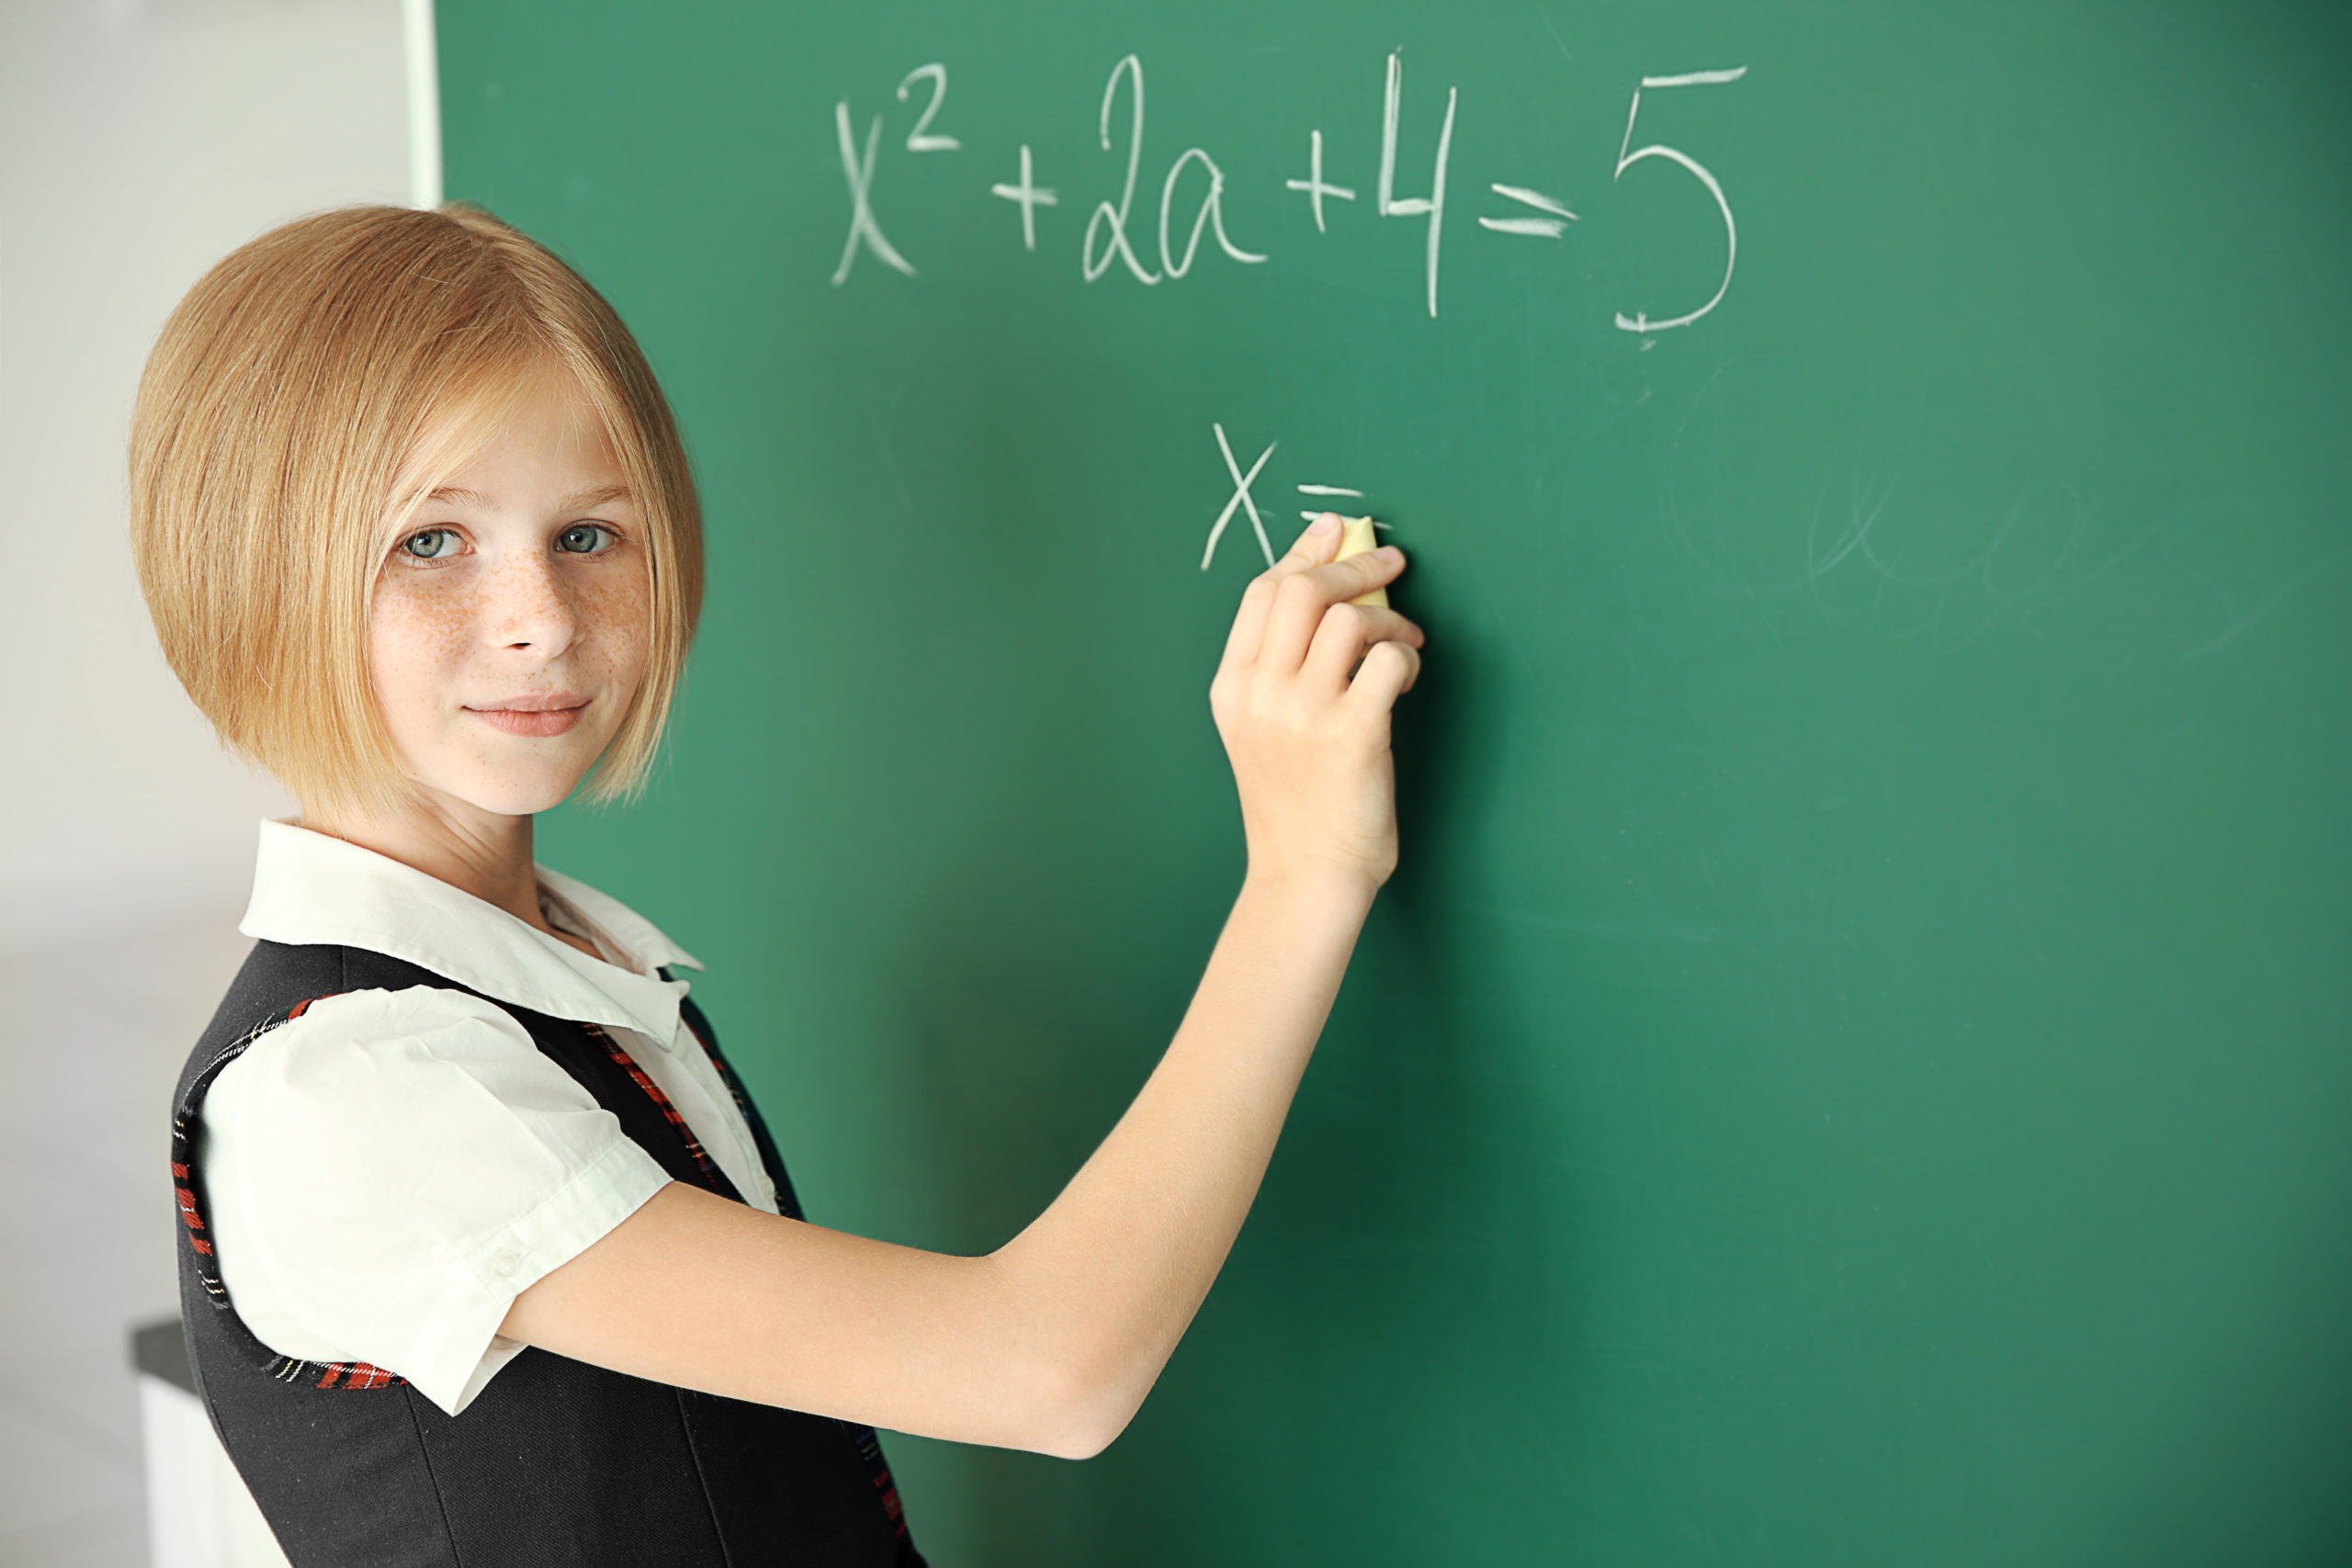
[(1051, 1342)]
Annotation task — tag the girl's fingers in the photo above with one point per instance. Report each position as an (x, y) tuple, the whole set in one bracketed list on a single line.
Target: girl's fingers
[(1309, 550), (1347, 631), (1388, 669), (1301, 598)]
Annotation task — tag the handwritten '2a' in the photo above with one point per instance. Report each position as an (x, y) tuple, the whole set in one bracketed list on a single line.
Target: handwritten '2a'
[(1112, 237)]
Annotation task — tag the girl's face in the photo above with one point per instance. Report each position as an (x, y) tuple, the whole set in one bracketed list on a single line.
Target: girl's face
[(512, 615)]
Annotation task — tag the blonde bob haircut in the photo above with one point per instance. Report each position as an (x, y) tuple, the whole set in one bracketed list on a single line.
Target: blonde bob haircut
[(304, 377)]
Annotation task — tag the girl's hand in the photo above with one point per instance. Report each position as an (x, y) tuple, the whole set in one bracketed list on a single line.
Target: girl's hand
[(1301, 700)]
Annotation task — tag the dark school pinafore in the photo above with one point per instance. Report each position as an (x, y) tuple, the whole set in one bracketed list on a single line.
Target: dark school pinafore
[(555, 1462)]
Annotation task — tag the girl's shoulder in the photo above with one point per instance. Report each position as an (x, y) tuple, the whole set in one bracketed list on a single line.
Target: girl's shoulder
[(417, 1063), (384, 1170)]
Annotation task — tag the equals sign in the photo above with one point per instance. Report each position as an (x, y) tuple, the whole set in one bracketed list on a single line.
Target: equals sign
[(1331, 490), (1535, 228)]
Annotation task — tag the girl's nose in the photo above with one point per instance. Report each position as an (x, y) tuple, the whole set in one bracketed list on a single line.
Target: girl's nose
[(529, 611)]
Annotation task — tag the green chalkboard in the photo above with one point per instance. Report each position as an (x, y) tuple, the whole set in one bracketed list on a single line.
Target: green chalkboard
[(1856, 1067)]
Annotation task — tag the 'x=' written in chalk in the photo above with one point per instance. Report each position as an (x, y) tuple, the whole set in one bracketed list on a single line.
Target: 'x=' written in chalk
[(1243, 501)]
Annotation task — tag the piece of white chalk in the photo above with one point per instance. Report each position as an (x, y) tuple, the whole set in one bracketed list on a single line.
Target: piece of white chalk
[(1356, 538)]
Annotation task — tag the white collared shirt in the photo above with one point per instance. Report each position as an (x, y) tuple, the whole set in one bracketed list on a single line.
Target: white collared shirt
[(389, 1171)]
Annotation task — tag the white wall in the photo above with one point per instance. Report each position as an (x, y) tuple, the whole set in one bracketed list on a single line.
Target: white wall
[(140, 141)]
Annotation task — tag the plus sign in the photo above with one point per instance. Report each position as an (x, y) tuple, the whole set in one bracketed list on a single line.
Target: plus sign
[(1030, 197), (1313, 183)]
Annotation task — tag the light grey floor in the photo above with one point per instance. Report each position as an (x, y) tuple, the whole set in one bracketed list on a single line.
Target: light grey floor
[(93, 1030)]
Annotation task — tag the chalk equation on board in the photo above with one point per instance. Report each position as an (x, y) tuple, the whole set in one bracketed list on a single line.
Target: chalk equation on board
[(1112, 239)]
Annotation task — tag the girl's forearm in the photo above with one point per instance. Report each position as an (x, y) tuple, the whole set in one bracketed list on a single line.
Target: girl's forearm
[(1109, 1276)]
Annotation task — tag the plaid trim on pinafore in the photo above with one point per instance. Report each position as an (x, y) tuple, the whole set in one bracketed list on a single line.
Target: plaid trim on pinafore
[(555, 1462)]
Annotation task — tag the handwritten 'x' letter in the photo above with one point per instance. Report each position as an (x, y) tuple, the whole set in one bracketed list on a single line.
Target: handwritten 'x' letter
[(861, 225), (1241, 498)]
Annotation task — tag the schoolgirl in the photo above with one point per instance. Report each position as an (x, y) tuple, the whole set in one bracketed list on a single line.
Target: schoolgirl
[(488, 1258)]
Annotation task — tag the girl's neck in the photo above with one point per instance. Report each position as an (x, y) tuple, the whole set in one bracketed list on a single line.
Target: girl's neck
[(474, 851)]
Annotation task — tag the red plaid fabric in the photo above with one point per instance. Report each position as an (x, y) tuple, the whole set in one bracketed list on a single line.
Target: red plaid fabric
[(355, 1374), (662, 1100), (188, 1209), (726, 1073), (653, 1092), (338, 1374)]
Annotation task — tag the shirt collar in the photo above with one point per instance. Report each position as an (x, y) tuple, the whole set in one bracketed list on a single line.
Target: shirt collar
[(310, 890)]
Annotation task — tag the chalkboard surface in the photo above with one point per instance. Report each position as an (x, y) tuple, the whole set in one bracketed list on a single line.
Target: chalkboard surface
[(1856, 1068)]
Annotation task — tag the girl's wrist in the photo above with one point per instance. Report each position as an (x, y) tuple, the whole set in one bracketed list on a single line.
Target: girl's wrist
[(1312, 886)]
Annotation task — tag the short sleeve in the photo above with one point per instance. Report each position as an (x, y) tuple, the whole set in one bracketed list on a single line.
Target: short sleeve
[(389, 1171)]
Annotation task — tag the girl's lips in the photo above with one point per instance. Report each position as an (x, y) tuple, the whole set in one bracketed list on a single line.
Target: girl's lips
[(538, 723)]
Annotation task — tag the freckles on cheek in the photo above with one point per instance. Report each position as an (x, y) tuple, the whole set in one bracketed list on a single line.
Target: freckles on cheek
[(614, 607), (417, 641)]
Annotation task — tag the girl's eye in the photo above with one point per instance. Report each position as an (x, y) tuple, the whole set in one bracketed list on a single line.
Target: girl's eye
[(433, 544), (585, 539)]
